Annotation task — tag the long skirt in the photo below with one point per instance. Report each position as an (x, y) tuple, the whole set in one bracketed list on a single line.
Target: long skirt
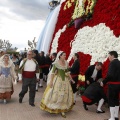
[(59, 98), (6, 87)]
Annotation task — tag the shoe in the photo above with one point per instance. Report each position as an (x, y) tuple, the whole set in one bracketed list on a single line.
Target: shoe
[(74, 103), (5, 102), (36, 90), (115, 119), (20, 99), (100, 111), (41, 86), (85, 106), (32, 104), (45, 80), (63, 114)]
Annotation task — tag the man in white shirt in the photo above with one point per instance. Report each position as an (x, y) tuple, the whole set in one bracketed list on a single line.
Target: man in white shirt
[(93, 73), (28, 73)]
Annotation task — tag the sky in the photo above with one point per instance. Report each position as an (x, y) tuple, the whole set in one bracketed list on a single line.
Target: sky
[(22, 20)]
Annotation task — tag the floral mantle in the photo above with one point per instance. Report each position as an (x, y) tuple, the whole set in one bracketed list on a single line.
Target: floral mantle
[(95, 37)]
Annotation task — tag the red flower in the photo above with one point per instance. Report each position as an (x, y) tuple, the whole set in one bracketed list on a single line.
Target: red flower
[(105, 11)]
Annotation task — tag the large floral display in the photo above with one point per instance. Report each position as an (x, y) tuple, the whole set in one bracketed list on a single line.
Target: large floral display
[(97, 34)]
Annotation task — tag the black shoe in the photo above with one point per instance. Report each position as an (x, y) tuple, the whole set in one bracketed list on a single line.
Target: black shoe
[(41, 86), (20, 99), (100, 111), (116, 118), (36, 90), (33, 105), (85, 106), (74, 103), (45, 80)]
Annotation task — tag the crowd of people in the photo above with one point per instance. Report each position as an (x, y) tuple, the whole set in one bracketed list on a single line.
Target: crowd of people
[(61, 80)]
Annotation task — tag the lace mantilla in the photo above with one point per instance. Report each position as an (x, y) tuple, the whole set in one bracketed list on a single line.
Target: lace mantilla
[(60, 66)]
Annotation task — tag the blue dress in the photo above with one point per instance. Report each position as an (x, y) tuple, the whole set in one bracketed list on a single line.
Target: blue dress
[(6, 84)]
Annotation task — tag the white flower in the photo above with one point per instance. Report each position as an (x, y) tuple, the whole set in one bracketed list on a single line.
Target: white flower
[(55, 40), (96, 41)]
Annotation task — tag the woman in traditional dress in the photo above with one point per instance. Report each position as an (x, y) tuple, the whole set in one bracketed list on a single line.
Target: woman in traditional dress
[(58, 96), (7, 76)]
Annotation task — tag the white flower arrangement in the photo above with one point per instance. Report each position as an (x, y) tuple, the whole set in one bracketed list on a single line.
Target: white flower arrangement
[(96, 41), (56, 38)]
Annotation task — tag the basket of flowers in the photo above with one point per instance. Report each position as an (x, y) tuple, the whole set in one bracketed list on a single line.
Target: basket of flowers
[(81, 84)]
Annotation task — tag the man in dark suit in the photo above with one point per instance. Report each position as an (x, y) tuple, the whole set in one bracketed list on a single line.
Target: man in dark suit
[(113, 80), (53, 56), (93, 73), (48, 62), (36, 56), (42, 68), (74, 71), (94, 94)]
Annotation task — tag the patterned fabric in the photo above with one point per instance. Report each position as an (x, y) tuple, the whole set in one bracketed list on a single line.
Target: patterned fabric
[(60, 72), (59, 98), (5, 71), (7, 76), (6, 83)]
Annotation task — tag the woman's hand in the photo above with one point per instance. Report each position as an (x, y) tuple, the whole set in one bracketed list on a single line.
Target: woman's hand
[(87, 82), (51, 84), (15, 82), (73, 82), (101, 84)]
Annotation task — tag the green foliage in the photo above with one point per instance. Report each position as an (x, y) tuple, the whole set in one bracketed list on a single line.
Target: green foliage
[(70, 23), (12, 52), (82, 89)]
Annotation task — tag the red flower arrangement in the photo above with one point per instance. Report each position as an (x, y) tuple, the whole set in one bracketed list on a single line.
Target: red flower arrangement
[(102, 14)]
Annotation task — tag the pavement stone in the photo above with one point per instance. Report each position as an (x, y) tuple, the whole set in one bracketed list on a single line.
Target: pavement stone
[(13, 110)]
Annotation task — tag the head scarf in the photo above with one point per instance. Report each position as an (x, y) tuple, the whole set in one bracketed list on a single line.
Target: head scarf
[(58, 55), (2, 60)]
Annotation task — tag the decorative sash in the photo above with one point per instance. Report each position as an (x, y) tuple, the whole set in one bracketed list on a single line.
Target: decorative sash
[(115, 83), (28, 74), (85, 99)]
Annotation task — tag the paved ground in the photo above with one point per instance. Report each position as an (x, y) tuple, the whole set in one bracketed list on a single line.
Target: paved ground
[(13, 110)]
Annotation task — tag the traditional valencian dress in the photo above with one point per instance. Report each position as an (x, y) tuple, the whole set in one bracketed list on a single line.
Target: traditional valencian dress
[(59, 98), (7, 75)]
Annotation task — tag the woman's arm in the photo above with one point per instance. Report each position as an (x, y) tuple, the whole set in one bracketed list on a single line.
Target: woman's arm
[(12, 71), (51, 80), (53, 72), (68, 73)]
